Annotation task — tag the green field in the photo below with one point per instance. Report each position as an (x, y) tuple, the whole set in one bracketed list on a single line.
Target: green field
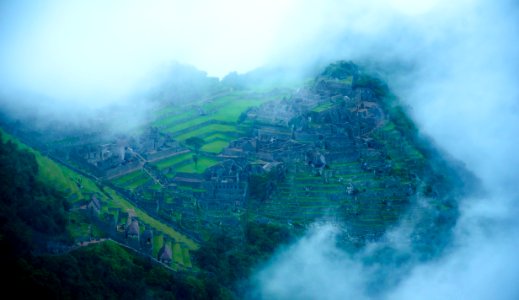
[(215, 147), (323, 106), (209, 129), (226, 108), (127, 177), (219, 137), (202, 165), (168, 162), (220, 126)]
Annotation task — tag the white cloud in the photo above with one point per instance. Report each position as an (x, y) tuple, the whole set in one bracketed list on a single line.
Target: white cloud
[(98, 52), (462, 61)]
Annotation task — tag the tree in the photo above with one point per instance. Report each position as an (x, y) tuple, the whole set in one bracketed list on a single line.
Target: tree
[(196, 143), (195, 160)]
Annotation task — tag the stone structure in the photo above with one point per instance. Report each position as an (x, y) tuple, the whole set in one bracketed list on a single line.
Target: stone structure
[(165, 255)]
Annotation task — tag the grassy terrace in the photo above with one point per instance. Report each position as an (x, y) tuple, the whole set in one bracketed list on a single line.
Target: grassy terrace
[(66, 180), (347, 80), (226, 108), (173, 160), (308, 197), (129, 177), (323, 106), (217, 127), (202, 165), (132, 180), (187, 122), (215, 146), (401, 150), (218, 137), (209, 129)]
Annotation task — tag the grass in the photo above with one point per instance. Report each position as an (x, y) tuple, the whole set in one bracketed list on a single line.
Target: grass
[(120, 202), (347, 80), (172, 160), (211, 128), (186, 257), (219, 137), (215, 147), (127, 177), (137, 181), (323, 106), (64, 179), (57, 176), (203, 164), (190, 123), (170, 121), (157, 243), (226, 108), (177, 253)]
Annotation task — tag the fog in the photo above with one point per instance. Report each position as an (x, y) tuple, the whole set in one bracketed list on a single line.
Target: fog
[(454, 63), (95, 53), (457, 68)]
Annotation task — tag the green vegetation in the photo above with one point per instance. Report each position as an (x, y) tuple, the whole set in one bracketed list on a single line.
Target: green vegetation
[(323, 106), (352, 186), (231, 260), (261, 186), (105, 271), (215, 147), (27, 207), (73, 185), (32, 213), (120, 202), (128, 177), (172, 160), (209, 129), (140, 180), (63, 176), (342, 70), (200, 167), (206, 125), (195, 142)]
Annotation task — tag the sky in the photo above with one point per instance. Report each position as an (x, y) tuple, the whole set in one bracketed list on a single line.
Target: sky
[(99, 52), (459, 80)]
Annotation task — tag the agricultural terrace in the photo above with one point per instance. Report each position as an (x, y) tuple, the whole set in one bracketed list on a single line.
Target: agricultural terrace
[(77, 187)]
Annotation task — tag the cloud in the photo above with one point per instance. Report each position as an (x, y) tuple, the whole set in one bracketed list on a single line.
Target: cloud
[(98, 52), (313, 268), (457, 68)]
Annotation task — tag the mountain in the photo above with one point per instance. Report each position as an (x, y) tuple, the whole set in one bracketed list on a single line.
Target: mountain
[(217, 180)]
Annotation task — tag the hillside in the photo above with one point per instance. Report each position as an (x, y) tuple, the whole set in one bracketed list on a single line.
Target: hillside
[(214, 183), (79, 190)]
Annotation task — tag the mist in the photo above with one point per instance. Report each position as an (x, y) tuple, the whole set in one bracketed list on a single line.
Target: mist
[(454, 64), (95, 53), (456, 67)]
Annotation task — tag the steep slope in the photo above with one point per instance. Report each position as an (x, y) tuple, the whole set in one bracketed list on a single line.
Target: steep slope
[(239, 170), (352, 155), (79, 190)]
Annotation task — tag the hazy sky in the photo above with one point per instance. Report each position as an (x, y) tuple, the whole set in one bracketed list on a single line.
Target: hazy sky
[(98, 52), (463, 63)]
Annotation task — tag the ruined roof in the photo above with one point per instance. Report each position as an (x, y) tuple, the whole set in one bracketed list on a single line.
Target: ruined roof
[(269, 166), (133, 229), (95, 203), (165, 253)]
